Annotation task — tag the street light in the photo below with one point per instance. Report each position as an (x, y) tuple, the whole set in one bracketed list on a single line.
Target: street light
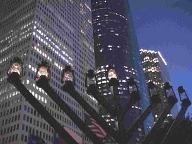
[(90, 82), (112, 77), (42, 81), (91, 85), (154, 98), (68, 80), (14, 74), (183, 96), (185, 103), (68, 86), (134, 98), (172, 100), (113, 85), (16, 66), (116, 106), (169, 93), (133, 91), (43, 70), (153, 93)]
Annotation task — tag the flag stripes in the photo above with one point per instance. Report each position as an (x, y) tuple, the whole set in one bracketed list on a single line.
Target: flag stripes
[(95, 127)]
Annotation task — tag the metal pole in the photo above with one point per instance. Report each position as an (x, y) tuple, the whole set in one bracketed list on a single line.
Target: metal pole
[(155, 128), (118, 113), (44, 84), (15, 80), (95, 93), (138, 122), (125, 110), (71, 90), (174, 124)]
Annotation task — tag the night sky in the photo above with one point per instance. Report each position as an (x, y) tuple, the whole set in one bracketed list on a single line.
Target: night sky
[(166, 25)]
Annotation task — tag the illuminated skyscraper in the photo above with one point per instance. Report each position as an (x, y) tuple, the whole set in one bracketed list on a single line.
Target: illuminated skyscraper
[(59, 32), (116, 45), (155, 69)]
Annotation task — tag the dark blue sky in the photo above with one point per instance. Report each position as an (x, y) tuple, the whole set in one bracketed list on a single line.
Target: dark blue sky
[(166, 25)]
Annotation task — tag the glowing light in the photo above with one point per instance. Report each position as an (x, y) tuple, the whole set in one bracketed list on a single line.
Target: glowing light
[(162, 58), (112, 74), (42, 71), (16, 67), (68, 76)]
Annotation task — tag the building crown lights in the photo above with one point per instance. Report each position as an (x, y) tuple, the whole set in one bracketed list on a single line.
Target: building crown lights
[(154, 52), (162, 58)]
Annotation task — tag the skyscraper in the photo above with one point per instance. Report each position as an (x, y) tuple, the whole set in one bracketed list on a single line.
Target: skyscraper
[(155, 69), (59, 32), (116, 45)]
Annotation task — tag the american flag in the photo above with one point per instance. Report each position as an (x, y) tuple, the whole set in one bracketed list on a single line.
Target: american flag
[(58, 140), (95, 127)]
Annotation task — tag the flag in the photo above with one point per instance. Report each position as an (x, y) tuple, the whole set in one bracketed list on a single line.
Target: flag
[(95, 127), (58, 140)]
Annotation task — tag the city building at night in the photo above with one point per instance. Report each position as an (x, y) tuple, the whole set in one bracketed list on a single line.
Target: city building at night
[(154, 67), (59, 32), (115, 45), (155, 70)]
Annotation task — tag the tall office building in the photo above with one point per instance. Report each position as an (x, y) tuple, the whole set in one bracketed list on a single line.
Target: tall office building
[(58, 31), (116, 45), (155, 69)]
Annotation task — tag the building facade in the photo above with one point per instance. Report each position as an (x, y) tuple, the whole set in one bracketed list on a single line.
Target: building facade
[(59, 32), (116, 45), (155, 69)]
